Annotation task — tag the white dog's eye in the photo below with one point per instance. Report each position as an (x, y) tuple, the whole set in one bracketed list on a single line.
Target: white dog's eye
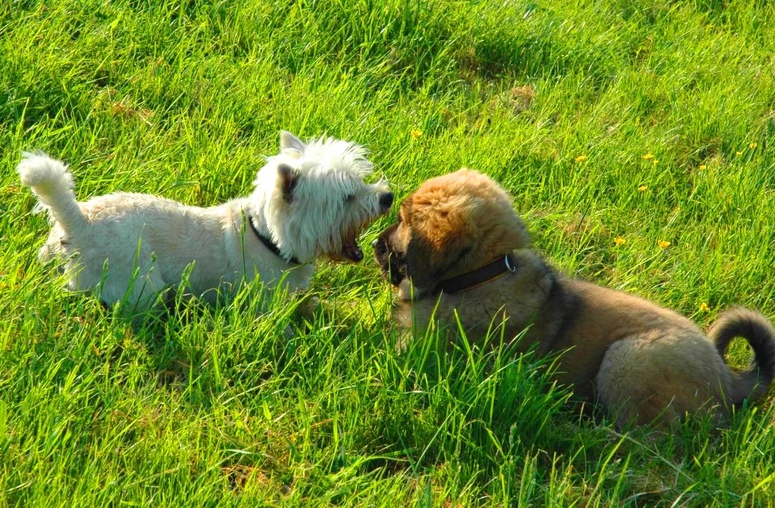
[(349, 198)]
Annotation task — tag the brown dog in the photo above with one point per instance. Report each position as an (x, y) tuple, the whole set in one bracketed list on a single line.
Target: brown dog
[(460, 252)]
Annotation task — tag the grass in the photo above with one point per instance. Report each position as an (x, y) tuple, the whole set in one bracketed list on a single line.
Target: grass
[(647, 120)]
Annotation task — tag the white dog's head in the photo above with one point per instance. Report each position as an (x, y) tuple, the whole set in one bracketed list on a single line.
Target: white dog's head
[(312, 198)]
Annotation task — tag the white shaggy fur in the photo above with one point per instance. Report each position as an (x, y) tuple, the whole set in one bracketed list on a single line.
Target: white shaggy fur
[(310, 200)]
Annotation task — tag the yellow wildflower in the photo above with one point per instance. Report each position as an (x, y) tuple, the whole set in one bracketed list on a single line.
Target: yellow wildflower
[(654, 161), (702, 167), (416, 133), (753, 145), (648, 156), (738, 153), (580, 158), (619, 241), (704, 307), (643, 188), (663, 244)]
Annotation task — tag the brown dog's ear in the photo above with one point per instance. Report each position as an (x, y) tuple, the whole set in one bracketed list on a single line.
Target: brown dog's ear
[(446, 230), (289, 179), (443, 241)]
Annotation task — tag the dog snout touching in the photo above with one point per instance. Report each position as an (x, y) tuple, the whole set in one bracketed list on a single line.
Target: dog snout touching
[(386, 201)]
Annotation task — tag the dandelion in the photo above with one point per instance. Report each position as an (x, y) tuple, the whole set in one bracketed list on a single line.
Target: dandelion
[(704, 307), (753, 145), (619, 241), (648, 156), (416, 133), (702, 167), (580, 158), (643, 188), (663, 244)]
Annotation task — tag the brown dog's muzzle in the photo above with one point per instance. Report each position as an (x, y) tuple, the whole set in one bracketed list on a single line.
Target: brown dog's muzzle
[(391, 261)]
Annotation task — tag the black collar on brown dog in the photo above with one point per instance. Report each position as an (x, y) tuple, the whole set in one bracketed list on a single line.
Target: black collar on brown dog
[(268, 243), (475, 278)]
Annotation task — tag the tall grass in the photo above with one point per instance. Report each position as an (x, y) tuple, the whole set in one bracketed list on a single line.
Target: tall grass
[(643, 121)]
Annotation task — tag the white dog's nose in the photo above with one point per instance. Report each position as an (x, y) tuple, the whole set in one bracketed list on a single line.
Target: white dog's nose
[(386, 200)]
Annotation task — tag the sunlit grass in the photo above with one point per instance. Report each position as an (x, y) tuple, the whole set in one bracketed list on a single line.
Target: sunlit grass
[(635, 138)]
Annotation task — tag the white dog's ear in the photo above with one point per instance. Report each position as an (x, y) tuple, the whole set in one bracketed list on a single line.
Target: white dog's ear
[(289, 177), (288, 140)]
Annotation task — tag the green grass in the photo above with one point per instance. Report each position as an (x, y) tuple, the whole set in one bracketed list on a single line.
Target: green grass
[(640, 120)]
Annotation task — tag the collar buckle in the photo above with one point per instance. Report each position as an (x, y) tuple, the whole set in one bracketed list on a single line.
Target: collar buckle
[(509, 266)]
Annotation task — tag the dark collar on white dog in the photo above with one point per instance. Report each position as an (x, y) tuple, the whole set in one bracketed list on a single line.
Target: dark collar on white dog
[(475, 278), (268, 243)]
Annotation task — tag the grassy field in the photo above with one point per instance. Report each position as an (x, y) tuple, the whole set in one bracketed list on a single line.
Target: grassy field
[(635, 136)]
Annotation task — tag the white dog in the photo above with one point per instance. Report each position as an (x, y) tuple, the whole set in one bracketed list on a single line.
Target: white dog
[(310, 200)]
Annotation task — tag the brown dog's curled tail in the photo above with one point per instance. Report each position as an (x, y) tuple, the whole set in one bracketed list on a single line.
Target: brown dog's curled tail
[(760, 334)]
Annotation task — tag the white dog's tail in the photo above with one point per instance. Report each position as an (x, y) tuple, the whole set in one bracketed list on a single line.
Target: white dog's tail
[(53, 185)]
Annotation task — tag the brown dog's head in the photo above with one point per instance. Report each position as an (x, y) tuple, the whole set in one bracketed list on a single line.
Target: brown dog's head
[(450, 225)]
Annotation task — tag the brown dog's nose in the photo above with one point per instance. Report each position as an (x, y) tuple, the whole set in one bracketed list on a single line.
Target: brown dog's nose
[(386, 200), (379, 246)]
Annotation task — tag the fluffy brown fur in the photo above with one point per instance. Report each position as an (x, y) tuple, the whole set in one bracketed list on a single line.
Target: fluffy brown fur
[(643, 363)]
